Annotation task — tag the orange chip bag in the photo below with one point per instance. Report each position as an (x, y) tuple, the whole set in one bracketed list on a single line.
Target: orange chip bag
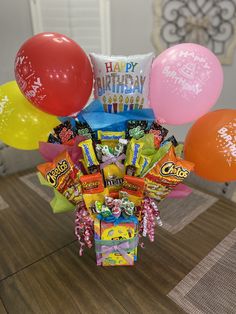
[(166, 174), (133, 185), (92, 183), (63, 176)]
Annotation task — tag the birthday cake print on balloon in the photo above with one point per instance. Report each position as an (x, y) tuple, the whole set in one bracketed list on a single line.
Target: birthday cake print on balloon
[(122, 83)]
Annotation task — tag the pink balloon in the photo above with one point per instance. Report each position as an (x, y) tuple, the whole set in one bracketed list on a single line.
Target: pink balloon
[(186, 81)]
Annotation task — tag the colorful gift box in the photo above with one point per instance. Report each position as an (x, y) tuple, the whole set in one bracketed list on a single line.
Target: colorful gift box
[(116, 241)]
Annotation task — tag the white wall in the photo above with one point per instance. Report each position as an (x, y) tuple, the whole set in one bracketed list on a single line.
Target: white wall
[(15, 28), (131, 33), (131, 25)]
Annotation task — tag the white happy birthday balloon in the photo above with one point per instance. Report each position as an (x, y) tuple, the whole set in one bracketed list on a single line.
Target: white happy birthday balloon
[(122, 83)]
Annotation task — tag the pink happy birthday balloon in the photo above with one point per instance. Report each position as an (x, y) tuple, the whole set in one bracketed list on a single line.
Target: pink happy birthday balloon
[(186, 81)]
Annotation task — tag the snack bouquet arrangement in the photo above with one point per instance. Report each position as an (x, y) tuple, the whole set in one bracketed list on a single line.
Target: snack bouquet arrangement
[(112, 161), (114, 179)]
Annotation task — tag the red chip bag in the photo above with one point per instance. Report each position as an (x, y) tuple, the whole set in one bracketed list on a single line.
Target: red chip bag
[(63, 176)]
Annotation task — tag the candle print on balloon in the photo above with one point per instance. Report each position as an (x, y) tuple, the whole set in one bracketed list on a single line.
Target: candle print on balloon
[(123, 81)]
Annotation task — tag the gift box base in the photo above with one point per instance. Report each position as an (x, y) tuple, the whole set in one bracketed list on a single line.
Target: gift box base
[(116, 242)]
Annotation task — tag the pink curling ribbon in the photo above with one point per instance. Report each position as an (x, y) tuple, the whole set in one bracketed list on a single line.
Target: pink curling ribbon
[(144, 225), (84, 229), (122, 248), (150, 214), (113, 160)]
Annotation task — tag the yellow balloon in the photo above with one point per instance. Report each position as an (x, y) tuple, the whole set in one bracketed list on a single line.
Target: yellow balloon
[(21, 124)]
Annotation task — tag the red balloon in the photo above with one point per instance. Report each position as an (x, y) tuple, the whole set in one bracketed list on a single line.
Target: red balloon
[(54, 73)]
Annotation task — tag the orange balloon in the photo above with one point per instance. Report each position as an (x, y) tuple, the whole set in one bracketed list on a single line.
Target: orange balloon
[(211, 145)]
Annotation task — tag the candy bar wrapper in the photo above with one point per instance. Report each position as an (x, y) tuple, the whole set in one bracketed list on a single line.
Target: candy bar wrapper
[(53, 139), (121, 83), (136, 129), (165, 175), (110, 139), (132, 156), (83, 129), (133, 186), (116, 241), (90, 199), (159, 133), (64, 132), (92, 183), (89, 157), (113, 177)]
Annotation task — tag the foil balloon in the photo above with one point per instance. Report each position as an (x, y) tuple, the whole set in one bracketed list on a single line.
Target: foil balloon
[(21, 124), (54, 73), (122, 83), (186, 81), (211, 145)]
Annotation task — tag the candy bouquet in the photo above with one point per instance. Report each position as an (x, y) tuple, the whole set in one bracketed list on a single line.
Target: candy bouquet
[(114, 177), (112, 161)]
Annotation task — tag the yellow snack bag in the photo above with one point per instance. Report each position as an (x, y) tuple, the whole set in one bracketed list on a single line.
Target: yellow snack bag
[(90, 199), (133, 154), (89, 153), (110, 138), (113, 177)]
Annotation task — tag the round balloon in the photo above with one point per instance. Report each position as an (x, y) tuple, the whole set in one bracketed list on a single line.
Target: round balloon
[(186, 81), (211, 145), (54, 73), (21, 124)]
